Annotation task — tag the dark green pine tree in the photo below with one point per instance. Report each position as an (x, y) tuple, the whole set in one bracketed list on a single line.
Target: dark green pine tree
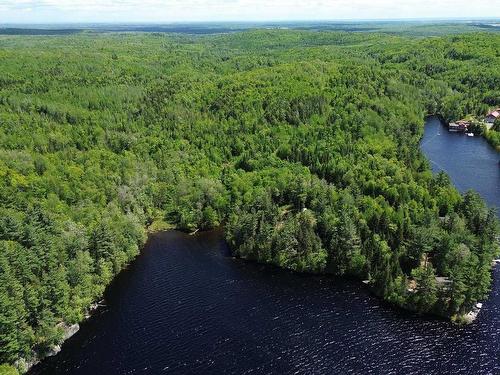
[(13, 330)]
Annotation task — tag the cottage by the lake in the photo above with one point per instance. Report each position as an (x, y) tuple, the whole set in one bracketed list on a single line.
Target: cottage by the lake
[(492, 116)]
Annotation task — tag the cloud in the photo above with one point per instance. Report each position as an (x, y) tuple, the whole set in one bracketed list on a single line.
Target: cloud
[(207, 10)]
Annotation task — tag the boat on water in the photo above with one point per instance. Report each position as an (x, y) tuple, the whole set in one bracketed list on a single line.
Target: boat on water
[(470, 134)]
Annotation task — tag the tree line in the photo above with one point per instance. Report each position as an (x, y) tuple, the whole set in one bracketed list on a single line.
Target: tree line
[(303, 145)]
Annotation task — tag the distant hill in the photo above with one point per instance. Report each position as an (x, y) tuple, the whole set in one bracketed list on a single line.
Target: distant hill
[(413, 27)]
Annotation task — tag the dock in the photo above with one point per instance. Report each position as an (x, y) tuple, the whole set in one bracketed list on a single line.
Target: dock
[(460, 126)]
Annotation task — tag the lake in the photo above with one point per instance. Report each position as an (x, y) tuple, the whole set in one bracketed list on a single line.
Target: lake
[(470, 161), (186, 307)]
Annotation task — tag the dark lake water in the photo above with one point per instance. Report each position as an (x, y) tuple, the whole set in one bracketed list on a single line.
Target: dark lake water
[(470, 162), (186, 307)]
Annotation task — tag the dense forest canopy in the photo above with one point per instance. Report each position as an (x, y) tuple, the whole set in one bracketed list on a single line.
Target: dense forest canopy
[(303, 145)]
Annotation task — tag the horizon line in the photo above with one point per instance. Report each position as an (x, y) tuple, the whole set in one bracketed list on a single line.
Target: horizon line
[(257, 21)]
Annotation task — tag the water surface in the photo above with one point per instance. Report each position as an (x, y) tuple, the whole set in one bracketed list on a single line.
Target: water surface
[(186, 307), (470, 161)]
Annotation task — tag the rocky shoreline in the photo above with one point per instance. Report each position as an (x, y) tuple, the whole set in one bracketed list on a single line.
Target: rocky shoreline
[(23, 365), (473, 314)]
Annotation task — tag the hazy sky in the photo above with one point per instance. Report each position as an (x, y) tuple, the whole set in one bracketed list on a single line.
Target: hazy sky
[(47, 11)]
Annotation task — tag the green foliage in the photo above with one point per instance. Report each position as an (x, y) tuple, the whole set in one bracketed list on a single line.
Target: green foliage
[(425, 296), (304, 145), (493, 135), (8, 370)]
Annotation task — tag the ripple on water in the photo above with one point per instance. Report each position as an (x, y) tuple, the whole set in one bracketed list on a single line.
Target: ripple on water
[(168, 314), (185, 308)]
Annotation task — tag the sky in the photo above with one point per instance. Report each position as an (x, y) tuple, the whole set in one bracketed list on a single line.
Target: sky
[(67, 11)]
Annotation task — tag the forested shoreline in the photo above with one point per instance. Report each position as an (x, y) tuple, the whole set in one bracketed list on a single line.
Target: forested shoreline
[(303, 145)]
